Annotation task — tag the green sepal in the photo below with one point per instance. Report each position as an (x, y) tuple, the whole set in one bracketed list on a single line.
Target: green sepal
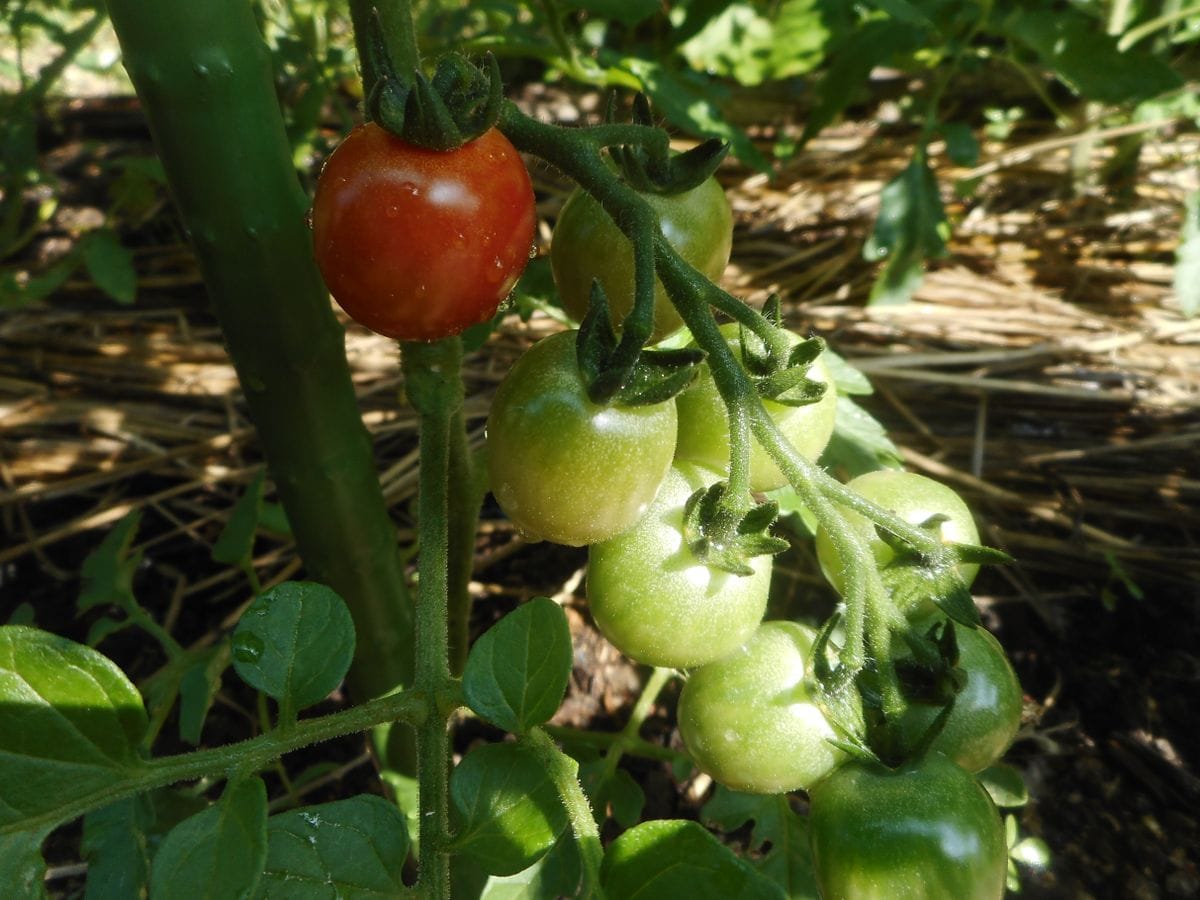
[(656, 171), (655, 376), (725, 537), (458, 104), (980, 555), (791, 387)]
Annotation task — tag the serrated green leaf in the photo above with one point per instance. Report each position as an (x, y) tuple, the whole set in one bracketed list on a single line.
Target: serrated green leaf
[(961, 145), (235, 544), (111, 265), (198, 688), (22, 614), (116, 849), (109, 569), (70, 722), (846, 378), (777, 828), (1005, 786), (506, 809), (295, 643), (677, 858), (556, 874), (517, 672), (627, 798), (911, 228), (22, 869), (1187, 259), (218, 853), (1086, 58), (351, 849)]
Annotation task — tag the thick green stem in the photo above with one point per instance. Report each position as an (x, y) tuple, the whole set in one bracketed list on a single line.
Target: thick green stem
[(564, 772), (433, 383), (467, 488), (247, 756), (204, 78)]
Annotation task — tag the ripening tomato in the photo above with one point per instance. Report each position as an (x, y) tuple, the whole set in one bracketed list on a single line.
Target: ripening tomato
[(748, 719), (704, 429), (587, 245), (563, 468), (656, 601), (913, 498), (420, 244), (926, 830)]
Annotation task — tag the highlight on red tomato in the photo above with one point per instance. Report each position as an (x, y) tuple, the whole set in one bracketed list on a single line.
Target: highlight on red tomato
[(925, 830), (748, 719), (913, 498), (563, 468), (587, 245), (704, 429), (656, 601), (419, 244)]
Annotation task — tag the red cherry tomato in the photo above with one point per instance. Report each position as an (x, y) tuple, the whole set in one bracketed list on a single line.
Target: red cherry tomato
[(419, 244)]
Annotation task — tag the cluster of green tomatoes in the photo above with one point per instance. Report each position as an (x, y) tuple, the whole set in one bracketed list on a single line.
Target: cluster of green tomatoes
[(618, 479)]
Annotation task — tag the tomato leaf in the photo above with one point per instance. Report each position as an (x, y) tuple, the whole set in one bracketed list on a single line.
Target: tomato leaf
[(1087, 60), (115, 847), (109, 569), (556, 874), (911, 228), (1005, 785), (70, 722), (506, 810), (217, 853), (348, 848), (111, 265), (295, 643), (235, 544), (678, 858), (779, 833), (517, 672), (198, 689), (22, 869)]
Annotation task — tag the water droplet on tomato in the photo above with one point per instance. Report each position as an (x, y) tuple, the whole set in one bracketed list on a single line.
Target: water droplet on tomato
[(308, 218), (409, 188)]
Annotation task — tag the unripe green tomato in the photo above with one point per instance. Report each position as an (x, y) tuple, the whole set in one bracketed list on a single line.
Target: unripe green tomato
[(563, 468), (588, 245), (913, 498), (987, 711), (926, 831), (748, 719), (659, 604), (704, 428)]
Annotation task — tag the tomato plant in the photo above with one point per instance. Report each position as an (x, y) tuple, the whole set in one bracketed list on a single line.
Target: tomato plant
[(566, 469), (913, 498), (657, 602), (925, 830), (418, 244), (704, 431), (748, 720), (987, 711), (588, 245)]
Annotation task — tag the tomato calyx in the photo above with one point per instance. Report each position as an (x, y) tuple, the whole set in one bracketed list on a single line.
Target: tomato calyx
[(456, 105), (725, 535), (613, 372), (655, 169)]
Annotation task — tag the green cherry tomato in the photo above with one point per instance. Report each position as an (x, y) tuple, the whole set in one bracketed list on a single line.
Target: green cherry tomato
[(926, 830), (913, 498), (748, 719), (588, 245), (562, 468), (419, 244), (659, 604), (704, 429), (987, 711)]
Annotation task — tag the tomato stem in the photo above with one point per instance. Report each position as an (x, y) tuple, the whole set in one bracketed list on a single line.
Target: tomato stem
[(433, 382)]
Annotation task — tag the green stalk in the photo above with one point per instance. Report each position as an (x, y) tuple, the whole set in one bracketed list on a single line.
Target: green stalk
[(204, 78), (433, 383)]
